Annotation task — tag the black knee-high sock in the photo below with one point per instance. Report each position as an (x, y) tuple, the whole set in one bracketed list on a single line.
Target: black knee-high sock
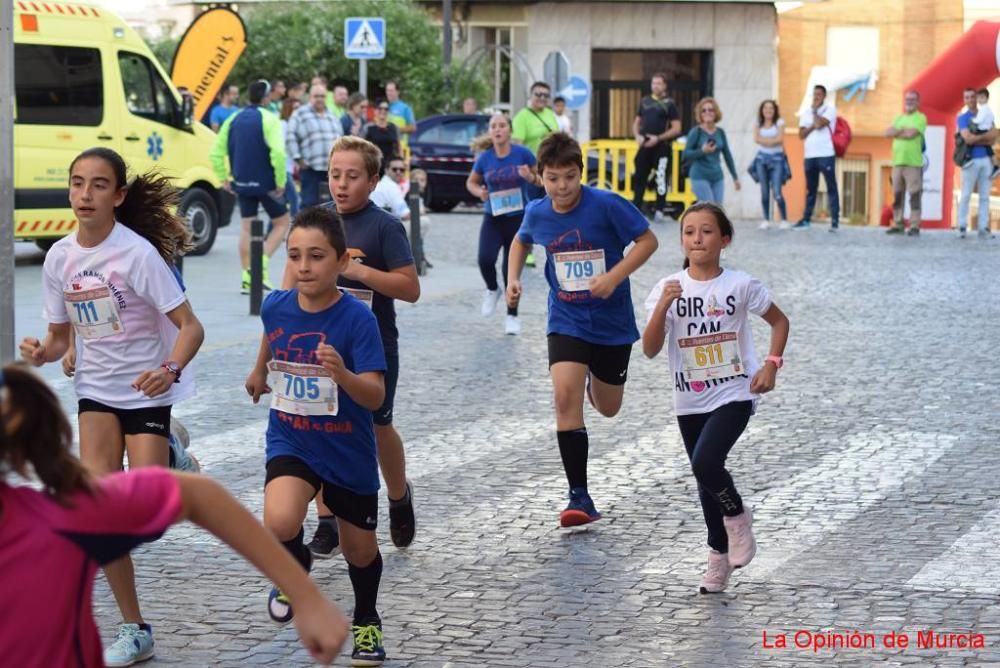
[(573, 448), (365, 580), (298, 549)]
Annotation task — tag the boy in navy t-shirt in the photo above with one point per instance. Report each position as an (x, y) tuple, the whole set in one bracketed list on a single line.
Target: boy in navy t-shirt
[(321, 358), (591, 324)]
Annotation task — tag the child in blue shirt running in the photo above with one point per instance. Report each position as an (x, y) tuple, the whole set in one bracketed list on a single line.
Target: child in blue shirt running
[(591, 323), (321, 358)]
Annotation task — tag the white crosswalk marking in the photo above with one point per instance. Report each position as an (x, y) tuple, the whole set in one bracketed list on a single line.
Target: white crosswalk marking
[(841, 486), (966, 563)]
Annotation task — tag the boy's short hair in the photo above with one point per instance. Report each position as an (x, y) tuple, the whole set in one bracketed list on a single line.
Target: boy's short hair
[(558, 99), (820, 87), (325, 219), (371, 153), (984, 92), (559, 150)]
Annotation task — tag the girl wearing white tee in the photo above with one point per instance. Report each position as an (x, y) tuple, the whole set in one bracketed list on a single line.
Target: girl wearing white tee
[(702, 314), (769, 133), (109, 284)]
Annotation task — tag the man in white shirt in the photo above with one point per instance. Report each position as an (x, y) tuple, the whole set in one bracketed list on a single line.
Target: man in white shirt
[(816, 130), (388, 194)]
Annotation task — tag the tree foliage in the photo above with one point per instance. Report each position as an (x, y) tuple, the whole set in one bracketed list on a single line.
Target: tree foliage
[(294, 42)]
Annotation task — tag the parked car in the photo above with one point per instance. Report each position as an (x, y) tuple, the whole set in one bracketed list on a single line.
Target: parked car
[(442, 146)]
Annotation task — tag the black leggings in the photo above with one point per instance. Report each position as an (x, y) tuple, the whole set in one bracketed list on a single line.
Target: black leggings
[(496, 233), (708, 438)]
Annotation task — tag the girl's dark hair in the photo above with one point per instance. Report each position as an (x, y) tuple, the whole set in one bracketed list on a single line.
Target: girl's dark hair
[(149, 205), (34, 430), (760, 113), (721, 219), (559, 150), (325, 219)]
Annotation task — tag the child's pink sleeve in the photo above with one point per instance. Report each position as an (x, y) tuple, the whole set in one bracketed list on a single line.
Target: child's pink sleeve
[(124, 511)]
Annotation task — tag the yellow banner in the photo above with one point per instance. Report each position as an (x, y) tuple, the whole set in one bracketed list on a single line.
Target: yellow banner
[(206, 55)]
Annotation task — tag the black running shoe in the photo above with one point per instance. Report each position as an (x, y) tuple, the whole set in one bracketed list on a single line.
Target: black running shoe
[(369, 649), (402, 522), (325, 542)]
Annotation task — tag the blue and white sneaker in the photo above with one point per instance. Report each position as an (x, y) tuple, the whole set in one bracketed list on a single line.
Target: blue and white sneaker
[(278, 606), (132, 645), (580, 510), (178, 440)]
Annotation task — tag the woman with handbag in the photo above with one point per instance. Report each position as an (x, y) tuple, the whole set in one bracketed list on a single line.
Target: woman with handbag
[(769, 165)]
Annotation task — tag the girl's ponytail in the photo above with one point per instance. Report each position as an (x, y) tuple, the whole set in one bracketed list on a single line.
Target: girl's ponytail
[(149, 210), (34, 431)]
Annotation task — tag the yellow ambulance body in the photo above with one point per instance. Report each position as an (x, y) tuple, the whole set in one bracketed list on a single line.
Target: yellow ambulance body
[(82, 79)]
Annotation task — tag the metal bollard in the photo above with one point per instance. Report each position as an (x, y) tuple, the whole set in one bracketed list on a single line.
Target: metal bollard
[(256, 265), (416, 240)]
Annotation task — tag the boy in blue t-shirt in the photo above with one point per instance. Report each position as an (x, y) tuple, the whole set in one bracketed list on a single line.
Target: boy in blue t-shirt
[(591, 324), (321, 358)]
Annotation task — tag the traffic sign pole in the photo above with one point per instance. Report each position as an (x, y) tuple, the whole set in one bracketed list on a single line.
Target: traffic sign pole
[(363, 76), (6, 182)]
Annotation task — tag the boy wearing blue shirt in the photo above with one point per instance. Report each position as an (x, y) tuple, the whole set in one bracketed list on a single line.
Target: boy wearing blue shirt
[(591, 323), (321, 358)]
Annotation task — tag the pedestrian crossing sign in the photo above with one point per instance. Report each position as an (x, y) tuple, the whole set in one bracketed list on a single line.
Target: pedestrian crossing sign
[(364, 38)]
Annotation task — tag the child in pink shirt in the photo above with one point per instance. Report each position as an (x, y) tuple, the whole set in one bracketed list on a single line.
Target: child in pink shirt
[(53, 541)]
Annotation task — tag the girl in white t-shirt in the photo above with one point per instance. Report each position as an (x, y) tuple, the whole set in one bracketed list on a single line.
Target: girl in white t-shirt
[(702, 314), (110, 286)]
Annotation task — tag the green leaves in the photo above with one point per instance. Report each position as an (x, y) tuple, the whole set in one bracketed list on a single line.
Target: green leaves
[(296, 42)]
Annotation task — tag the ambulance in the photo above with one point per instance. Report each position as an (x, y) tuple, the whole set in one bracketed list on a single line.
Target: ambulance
[(83, 78)]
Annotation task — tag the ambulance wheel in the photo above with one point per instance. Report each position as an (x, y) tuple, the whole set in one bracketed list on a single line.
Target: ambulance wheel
[(45, 244), (197, 209)]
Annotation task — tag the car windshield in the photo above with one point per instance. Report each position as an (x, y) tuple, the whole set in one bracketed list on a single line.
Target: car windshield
[(459, 132)]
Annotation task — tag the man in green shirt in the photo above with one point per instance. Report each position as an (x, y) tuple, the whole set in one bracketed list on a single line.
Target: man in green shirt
[(536, 121), (907, 133)]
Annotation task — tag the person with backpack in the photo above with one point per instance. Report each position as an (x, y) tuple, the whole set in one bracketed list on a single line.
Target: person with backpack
[(657, 123), (907, 133), (816, 129)]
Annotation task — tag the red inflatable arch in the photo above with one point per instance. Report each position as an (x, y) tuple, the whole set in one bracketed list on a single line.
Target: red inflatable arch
[(973, 61)]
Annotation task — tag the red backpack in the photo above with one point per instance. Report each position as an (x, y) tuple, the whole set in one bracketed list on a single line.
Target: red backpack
[(841, 135)]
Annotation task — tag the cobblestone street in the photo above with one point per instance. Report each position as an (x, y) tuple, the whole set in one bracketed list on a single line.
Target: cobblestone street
[(871, 469)]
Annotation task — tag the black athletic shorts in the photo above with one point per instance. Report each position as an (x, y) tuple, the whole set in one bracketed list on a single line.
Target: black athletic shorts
[(361, 510), (383, 416), (151, 420), (608, 364), (275, 207)]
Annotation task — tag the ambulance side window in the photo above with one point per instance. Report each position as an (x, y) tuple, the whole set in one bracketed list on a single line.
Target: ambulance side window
[(58, 85), (146, 94)]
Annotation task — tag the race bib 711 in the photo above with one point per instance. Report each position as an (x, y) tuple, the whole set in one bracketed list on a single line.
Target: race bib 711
[(94, 313)]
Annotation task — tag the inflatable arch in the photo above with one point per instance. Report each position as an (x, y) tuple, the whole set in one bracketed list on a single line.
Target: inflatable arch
[(973, 61)]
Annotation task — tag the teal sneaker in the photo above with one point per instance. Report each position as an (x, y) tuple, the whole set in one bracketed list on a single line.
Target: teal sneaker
[(180, 458), (368, 643), (132, 645)]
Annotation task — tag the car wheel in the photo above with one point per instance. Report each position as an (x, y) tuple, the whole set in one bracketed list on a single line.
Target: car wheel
[(201, 217), (442, 206), (45, 244)]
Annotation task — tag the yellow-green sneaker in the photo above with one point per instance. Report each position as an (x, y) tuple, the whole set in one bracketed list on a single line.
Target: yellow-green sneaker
[(368, 647), (245, 286)]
